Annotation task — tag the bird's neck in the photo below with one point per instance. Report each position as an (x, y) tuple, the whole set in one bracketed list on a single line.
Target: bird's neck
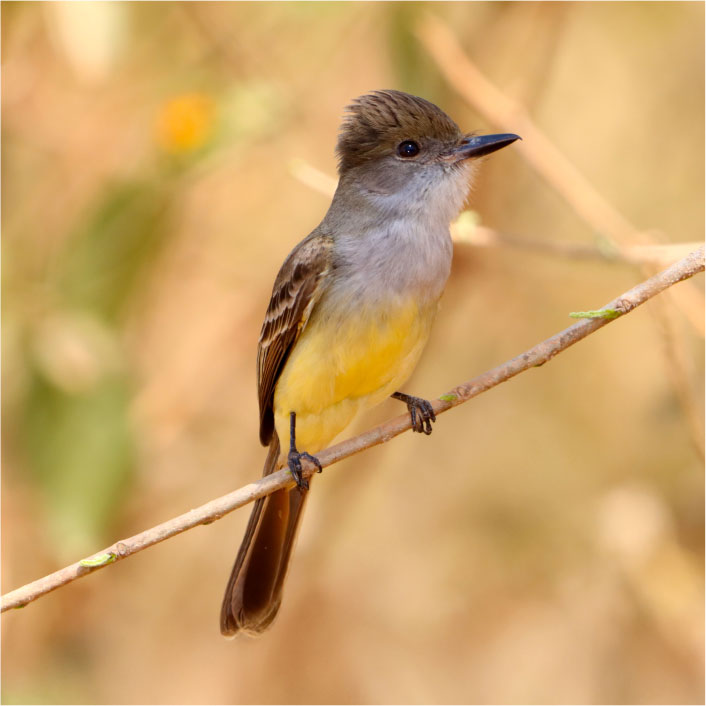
[(383, 249)]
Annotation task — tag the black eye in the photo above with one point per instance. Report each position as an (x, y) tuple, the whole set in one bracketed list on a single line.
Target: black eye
[(408, 148)]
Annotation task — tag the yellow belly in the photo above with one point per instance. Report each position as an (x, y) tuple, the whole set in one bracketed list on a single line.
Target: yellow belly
[(336, 371)]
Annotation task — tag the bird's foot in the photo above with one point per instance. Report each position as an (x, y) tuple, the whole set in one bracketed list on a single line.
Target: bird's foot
[(294, 457), (294, 461), (421, 412)]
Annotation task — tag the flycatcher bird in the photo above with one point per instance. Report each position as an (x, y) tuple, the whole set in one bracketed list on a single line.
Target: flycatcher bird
[(350, 313)]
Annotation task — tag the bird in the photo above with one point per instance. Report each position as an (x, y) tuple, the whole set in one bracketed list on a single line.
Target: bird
[(350, 313)]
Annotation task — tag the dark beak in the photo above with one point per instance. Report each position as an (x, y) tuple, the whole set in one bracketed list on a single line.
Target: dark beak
[(476, 146)]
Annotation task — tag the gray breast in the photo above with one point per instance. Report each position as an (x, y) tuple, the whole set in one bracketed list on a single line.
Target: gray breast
[(399, 260)]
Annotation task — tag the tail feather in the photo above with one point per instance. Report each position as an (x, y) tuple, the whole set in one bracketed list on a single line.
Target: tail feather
[(254, 591)]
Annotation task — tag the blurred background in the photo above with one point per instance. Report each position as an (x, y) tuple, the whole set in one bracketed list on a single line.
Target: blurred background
[(545, 545)]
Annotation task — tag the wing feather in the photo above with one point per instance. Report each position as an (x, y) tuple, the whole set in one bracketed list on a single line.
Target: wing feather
[(296, 290)]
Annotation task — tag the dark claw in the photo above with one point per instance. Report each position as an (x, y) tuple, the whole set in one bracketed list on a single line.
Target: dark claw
[(413, 413), (295, 466), (294, 461), (420, 411), (429, 416)]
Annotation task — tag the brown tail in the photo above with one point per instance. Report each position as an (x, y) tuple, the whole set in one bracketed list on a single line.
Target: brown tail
[(254, 589)]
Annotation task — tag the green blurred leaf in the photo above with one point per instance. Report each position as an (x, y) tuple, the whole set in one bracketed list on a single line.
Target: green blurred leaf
[(119, 237)]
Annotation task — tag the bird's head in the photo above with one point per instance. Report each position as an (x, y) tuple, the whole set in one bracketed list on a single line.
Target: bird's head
[(401, 147)]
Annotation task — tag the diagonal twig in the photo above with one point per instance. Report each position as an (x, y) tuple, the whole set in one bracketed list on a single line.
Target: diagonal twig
[(215, 509)]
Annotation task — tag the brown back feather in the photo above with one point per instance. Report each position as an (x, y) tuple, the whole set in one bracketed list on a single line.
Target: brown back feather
[(296, 290)]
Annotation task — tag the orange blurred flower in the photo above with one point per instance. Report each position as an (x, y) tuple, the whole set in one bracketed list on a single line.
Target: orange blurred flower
[(185, 122)]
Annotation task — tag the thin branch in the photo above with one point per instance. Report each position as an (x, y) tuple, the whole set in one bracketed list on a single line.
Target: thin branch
[(312, 177), (205, 514), (654, 255)]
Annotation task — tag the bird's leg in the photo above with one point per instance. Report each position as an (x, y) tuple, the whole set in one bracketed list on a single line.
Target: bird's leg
[(294, 457), (420, 410)]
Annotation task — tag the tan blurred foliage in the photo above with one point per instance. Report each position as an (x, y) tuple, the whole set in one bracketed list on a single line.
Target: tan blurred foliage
[(544, 545)]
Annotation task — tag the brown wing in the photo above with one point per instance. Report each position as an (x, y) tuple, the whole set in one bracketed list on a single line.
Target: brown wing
[(296, 290)]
